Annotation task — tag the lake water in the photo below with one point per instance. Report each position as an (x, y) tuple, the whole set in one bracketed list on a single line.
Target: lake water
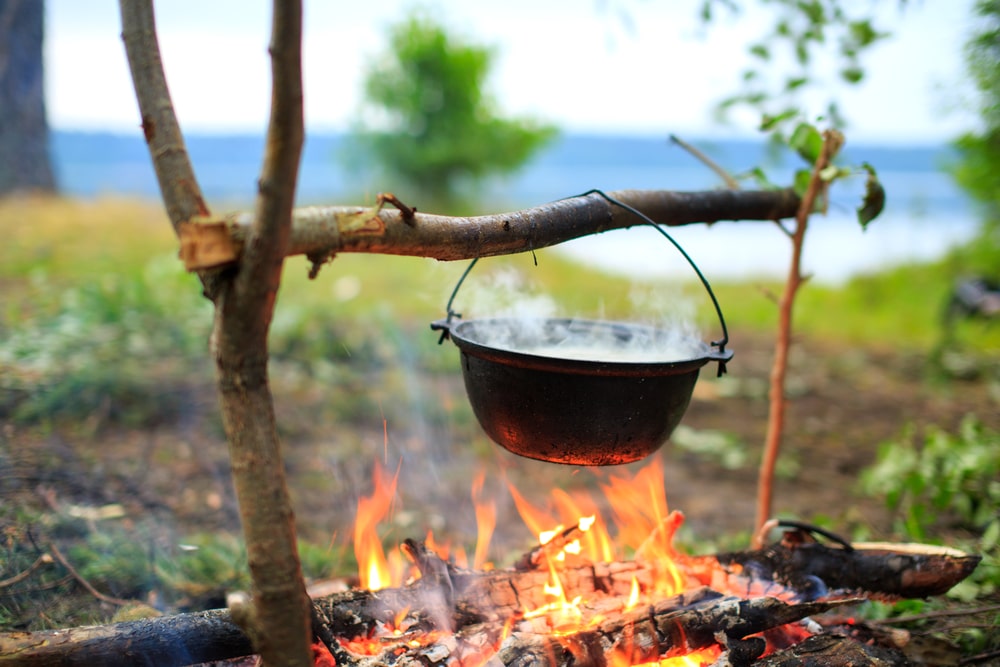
[(925, 212)]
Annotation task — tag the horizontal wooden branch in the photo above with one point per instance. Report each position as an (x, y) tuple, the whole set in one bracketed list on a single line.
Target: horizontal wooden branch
[(321, 232)]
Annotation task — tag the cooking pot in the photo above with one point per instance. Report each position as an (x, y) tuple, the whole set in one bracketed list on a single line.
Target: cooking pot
[(579, 392)]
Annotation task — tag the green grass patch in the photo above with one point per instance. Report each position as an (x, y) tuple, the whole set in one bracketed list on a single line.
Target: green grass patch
[(940, 484)]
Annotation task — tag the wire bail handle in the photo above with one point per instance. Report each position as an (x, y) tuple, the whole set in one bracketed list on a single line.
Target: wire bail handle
[(721, 356)]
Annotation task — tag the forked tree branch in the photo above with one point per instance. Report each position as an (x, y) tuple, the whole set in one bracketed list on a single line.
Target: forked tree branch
[(277, 617)]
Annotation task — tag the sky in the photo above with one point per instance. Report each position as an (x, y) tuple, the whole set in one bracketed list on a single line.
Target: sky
[(577, 64)]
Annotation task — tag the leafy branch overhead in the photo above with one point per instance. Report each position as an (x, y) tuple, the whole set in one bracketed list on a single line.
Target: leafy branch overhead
[(430, 124), (814, 35)]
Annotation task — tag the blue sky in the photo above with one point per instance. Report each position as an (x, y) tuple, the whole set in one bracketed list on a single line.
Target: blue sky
[(575, 64)]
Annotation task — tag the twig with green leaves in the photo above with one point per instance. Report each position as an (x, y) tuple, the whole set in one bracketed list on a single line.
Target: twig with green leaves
[(819, 149)]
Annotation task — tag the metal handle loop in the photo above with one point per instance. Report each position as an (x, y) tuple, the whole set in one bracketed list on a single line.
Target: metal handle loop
[(721, 344)]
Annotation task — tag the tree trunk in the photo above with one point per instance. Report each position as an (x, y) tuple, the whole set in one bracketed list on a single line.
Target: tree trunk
[(24, 132), (276, 618)]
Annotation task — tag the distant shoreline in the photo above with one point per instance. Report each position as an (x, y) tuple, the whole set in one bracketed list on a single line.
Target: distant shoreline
[(925, 213), (721, 136)]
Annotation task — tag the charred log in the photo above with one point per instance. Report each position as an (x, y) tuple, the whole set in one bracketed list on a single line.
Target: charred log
[(165, 641), (874, 570)]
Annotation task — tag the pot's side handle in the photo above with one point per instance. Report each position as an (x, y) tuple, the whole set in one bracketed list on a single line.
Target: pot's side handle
[(721, 356), (444, 326)]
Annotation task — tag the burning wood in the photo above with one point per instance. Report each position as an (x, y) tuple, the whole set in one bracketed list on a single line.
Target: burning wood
[(567, 602), (401, 625), (482, 605)]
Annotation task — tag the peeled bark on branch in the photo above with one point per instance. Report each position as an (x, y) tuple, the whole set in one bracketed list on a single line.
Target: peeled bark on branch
[(321, 232)]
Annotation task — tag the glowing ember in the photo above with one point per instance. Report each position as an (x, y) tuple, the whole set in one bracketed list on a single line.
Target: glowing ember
[(694, 659)]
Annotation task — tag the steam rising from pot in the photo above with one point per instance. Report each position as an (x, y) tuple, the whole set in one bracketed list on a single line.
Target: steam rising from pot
[(578, 339), (524, 322)]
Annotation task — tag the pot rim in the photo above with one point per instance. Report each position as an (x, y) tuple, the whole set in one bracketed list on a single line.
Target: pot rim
[(528, 360)]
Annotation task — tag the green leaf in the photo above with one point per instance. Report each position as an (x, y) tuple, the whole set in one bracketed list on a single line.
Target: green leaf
[(991, 536), (761, 51), (807, 142), (864, 34), (802, 177), (874, 200), (801, 52), (769, 122), (852, 74), (813, 12), (795, 83), (760, 178)]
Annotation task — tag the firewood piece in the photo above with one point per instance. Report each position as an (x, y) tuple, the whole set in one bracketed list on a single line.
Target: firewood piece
[(833, 651), (433, 570), (885, 570), (164, 641)]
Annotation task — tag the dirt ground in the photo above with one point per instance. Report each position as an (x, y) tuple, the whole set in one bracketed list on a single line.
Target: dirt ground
[(844, 403)]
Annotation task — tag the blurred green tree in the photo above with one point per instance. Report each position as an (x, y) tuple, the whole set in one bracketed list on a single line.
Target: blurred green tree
[(427, 121), (977, 170)]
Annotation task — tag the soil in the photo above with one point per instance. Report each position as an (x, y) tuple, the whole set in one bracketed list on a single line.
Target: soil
[(844, 403)]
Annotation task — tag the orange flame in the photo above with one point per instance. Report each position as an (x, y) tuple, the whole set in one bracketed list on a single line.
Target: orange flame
[(633, 597), (486, 521), (595, 542), (639, 504), (373, 569), (699, 658), (535, 519), (645, 529)]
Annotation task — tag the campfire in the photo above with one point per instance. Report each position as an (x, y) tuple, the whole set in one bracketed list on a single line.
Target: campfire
[(615, 591)]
